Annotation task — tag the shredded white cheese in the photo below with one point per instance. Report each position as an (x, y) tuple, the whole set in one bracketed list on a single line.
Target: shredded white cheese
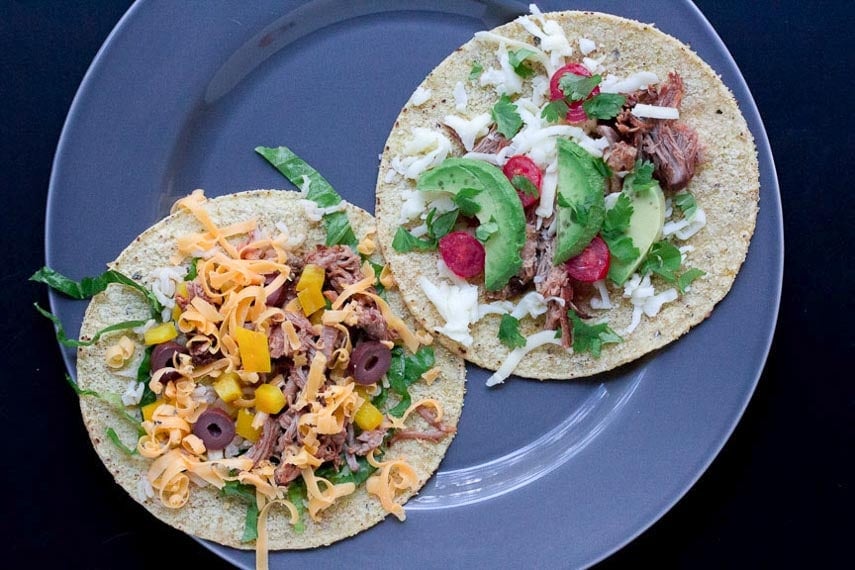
[(420, 96), (603, 301), (687, 227), (133, 393), (655, 111), (586, 46), (469, 130), (644, 299), (516, 355), (505, 80), (461, 98), (457, 305), (639, 80), (315, 213), (425, 149)]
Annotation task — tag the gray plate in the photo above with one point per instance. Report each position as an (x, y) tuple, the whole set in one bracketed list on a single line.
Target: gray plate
[(557, 474)]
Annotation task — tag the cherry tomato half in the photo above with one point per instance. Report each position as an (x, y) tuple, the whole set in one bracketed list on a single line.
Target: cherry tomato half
[(592, 264), (576, 114), (521, 165), (462, 253)]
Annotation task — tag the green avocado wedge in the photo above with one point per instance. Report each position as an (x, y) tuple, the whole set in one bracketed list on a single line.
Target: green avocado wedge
[(645, 229), (580, 206), (497, 201)]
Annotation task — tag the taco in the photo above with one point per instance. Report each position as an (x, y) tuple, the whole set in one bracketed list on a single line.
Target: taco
[(566, 193), (277, 375)]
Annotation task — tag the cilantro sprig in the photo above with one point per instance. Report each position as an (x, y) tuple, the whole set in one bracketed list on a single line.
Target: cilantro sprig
[(664, 260), (615, 226), (509, 332), (507, 118), (406, 370), (591, 338), (640, 178), (517, 59)]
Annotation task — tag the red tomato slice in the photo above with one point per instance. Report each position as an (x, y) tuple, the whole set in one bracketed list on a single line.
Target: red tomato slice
[(576, 114), (592, 264), (462, 253), (521, 165)]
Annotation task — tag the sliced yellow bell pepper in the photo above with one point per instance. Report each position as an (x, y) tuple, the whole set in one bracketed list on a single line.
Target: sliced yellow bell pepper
[(148, 410), (269, 399), (368, 417), (254, 352), (312, 277), (159, 334), (227, 387), (311, 301), (243, 425)]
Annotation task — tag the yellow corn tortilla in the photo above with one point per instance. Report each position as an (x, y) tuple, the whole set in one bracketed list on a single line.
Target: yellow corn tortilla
[(726, 186), (207, 514)]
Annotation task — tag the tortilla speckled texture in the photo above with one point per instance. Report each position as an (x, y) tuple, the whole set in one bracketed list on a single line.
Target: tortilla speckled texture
[(726, 186), (207, 514)]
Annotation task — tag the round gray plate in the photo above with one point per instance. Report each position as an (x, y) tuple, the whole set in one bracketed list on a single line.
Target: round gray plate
[(541, 474)]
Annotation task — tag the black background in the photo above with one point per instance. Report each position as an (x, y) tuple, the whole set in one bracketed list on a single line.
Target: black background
[(779, 494)]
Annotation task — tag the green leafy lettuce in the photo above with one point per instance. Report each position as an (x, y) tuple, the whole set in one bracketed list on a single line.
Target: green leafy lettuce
[(405, 371)]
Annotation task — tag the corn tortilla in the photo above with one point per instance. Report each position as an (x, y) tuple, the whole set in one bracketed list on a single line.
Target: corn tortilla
[(726, 186), (207, 514)]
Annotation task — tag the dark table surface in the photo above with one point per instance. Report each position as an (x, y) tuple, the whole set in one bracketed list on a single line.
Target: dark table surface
[(779, 494)]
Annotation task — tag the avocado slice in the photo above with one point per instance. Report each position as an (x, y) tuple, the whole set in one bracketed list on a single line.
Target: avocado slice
[(645, 229), (580, 207), (497, 200)]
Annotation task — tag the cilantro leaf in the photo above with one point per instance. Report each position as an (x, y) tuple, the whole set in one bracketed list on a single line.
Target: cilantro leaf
[(517, 60), (320, 191), (686, 202), (405, 242), (464, 199), (686, 278), (509, 332), (604, 105), (476, 71), (440, 225), (114, 437), (591, 338), (622, 248), (524, 185), (618, 216), (641, 177), (406, 370), (577, 87), (664, 260), (555, 111), (91, 286), (507, 118)]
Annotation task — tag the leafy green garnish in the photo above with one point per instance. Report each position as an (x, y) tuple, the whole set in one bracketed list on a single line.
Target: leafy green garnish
[(604, 105), (686, 202), (345, 475), (664, 260), (524, 185), (577, 87), (405, 371), (641, 177), (297, 497), (91, 286), (245, 493), (687, 277), (509, 332), (507, 118), (143, 372), (405, 242), (66, 341), (78, 390), (562, 201), (192, 272), (476, 71), (615, 225), (320, 191), (440, 225), (465, 202), (591, 338), (114, 437), (517, 60), (555, 111), (487, 229)]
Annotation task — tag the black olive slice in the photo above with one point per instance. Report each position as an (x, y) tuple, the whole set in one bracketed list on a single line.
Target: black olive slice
[(369, 361), (215, 428)]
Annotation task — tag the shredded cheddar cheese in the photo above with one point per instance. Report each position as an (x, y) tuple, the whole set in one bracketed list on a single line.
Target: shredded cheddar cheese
[(391, 478)]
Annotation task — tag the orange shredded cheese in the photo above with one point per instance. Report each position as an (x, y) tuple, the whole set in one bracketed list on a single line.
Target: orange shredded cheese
[(391, 478), (321, 499), (118, 354)]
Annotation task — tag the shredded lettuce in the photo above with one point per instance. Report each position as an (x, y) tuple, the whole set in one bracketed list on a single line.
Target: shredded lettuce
[(245, 493), (321, 192), (405, 371), (114, 437), (90, 286)]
